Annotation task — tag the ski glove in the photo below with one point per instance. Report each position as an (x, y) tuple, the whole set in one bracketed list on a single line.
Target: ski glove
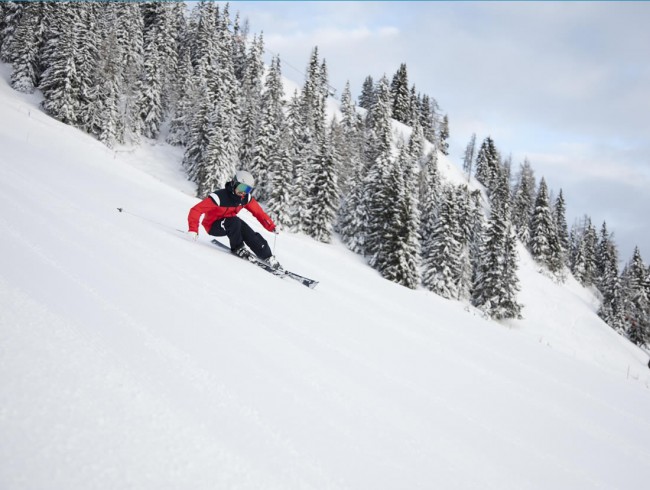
[(194, 236)]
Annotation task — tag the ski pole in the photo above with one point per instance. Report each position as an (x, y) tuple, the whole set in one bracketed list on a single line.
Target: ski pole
[(122, 210)]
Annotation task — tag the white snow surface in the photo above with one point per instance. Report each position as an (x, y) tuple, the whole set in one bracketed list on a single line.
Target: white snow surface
[(133, 358)]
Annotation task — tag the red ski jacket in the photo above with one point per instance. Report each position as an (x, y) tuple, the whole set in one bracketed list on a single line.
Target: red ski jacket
[(225, 204)]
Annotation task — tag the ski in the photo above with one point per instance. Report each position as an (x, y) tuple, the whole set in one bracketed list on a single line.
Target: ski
[(305, 281)]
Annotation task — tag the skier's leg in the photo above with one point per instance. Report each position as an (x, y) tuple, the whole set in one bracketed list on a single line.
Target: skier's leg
[(230, 227), (218, 228), (255, 241)]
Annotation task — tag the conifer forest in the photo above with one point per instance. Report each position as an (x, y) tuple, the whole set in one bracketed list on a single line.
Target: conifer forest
[(195, 78)]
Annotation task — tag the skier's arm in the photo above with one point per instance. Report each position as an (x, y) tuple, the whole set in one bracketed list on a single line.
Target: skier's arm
[(197, 211), (257, 211)]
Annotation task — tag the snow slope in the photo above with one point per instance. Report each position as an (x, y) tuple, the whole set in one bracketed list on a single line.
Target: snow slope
[(132, 358)]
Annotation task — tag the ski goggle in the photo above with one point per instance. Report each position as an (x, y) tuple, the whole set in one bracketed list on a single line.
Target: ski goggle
[(243, 188)]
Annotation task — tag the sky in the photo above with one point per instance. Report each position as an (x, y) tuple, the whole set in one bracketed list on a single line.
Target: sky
[(133, 357), (564, 84)]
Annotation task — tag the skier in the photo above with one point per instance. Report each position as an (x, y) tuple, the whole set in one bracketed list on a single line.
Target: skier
[(220, 218)]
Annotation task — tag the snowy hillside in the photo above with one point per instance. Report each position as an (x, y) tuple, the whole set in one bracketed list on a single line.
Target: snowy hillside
[(132, 358)]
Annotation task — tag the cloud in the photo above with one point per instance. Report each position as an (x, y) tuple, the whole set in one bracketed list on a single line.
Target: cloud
[(331, 37), (579, 162)]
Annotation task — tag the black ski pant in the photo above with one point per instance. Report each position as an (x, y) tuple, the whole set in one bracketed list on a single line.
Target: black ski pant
[(238, 232)]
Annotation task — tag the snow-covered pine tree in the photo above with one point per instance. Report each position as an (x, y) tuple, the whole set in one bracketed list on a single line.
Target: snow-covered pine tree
[(226, 85), (323, 94), (416, 148), (609, 283), (300, 147), (429, 200), (28, 37), (149, 104), (449, 257), (311, 94), (496, 283), (509, 307), (414, 107), (104, 113), (506, 168), (130, 35), (271, 145), (378, 187), (477, 224), (443, 136), (61, 82), (397, 257), (591, 239), (324, 197), (88, 62), (500, 191), (175, 30), (523, 203), (488, 164), (280, 200), (603, 250), (410, 164), (212, 154), (226, 135), (559, 214), (186, 101), (583, 263), (279, 137), (240, 58), (400, 96), (205, 54), (350, 142), (355, 216), (637, 301), (273, 95), (578, 263), (208, 172), (348, 109), (161, 36), (441, 257), (612, 309), (220, 154), (367, 96), (429, 117), (251, 103), (352, 213), (312, 102), (10, 15), (204, 59), (544, 243), (193, 157), (467, 225), (406, 271), (468, 157)]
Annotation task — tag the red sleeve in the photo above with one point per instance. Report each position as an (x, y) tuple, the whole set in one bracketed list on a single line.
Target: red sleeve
[(257, 211), (197, 211)]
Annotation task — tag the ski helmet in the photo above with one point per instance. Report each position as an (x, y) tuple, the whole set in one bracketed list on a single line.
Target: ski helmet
[(243, 181)]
